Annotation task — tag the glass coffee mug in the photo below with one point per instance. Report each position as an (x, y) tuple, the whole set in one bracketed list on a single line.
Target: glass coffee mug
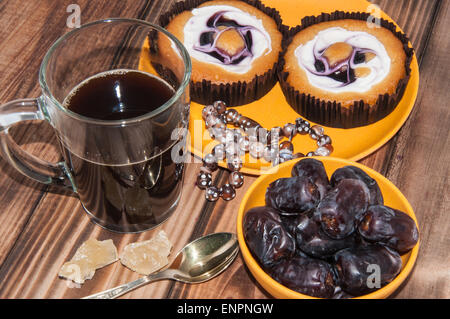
[(122, 131)]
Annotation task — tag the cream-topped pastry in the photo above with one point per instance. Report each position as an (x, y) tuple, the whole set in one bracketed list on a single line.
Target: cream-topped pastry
[(226, 36), (342, 73), (234, 47), (335, 60)]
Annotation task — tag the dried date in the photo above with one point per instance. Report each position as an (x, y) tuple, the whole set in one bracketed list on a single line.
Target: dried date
[(312, 240), (353, 172), (315, 171), (306, 275), (363, 269), (293, 195), (266, 237), (390, 227), (342, 208)]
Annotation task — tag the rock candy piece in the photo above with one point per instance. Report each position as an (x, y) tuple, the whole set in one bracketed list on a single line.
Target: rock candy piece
[(90, 256), (147, 256)]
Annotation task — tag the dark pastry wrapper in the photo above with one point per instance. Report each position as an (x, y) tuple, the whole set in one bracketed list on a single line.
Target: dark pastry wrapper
[(234, 93), (331, 113)]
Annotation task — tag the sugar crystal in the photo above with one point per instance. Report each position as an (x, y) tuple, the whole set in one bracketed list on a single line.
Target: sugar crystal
[(147, 256), (91, 255)]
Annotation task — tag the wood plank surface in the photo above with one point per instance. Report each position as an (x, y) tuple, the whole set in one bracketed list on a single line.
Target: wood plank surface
[(41, 227)]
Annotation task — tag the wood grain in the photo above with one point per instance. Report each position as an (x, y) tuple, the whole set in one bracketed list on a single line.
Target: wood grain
[(42, 227)]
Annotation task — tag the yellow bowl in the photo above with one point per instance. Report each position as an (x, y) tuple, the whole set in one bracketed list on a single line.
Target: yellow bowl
[(255, 196)]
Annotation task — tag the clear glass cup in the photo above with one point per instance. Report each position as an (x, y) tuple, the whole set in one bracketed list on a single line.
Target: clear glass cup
[(126, 173)]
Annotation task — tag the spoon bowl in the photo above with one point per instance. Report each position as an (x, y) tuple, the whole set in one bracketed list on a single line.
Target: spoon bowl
[(205, 258), (199, 261)]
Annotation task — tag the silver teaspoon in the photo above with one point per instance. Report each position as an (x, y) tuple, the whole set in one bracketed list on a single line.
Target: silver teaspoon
[(198, 261)]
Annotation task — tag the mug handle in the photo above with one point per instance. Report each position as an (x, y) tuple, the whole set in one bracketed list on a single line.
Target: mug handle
[(29, 165)]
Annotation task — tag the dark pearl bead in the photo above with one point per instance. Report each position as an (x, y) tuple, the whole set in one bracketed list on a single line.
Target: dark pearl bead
[(234, 163), (220, 107), (250, 125), (204, 180), (313, 135), (237, 119), (299, 121), (303, 129), (212, 194), (289, 130), (210, 162), (302, 125), (325, 139), (227, 192), (318, 130), (241, 120), (285, 155), (236, 179), (231, 115), (287, 145)]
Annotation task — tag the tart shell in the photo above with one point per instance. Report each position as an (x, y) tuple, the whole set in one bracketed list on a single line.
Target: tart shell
[(212, 84), (347, 113)]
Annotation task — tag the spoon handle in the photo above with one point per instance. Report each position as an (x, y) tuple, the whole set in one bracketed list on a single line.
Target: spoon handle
[(123, 289)]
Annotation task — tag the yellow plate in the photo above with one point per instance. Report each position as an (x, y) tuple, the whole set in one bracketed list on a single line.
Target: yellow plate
[(273, 110), (255, 196)]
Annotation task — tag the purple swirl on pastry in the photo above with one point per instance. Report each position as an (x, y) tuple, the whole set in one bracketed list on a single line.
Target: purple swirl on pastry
[(344, 71), (208, 39)]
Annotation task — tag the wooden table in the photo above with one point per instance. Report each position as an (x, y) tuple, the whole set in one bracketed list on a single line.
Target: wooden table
[(41, 227)]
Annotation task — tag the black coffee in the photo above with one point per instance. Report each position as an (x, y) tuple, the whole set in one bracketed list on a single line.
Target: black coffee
[(125, 197), (119, 95)]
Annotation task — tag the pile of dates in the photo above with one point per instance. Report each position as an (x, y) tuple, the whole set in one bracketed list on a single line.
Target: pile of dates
[(329, 238)]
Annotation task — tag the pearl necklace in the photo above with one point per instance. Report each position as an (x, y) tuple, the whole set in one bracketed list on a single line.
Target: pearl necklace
[(256, 140)]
